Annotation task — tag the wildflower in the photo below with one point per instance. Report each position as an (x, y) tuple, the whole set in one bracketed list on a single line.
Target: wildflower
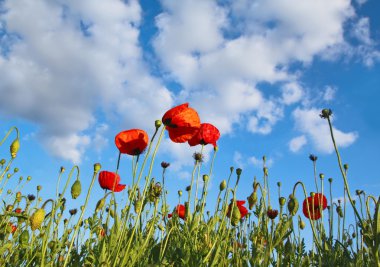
[(180, 210), (132, 142), (37, 218), (164, 164), (12, 228), (76, 189), (207, 134), (18, 210), (315, 206), (31, 197), (272, 214), (198, 157), (182, 123), (111, 181), (313, 157)]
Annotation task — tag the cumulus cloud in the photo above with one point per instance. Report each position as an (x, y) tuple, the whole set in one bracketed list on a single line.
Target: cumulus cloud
[(243, 161), (291, 93), (309, 123), (297, 143), (63, 60), (329, 93)]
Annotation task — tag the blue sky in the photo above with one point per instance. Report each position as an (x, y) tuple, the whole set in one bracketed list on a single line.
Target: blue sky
[(75, 73)]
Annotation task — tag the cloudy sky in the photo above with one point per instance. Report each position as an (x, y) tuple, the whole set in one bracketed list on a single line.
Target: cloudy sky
[(75, 73)]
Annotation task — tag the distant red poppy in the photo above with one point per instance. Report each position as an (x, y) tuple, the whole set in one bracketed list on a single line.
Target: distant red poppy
[(243, 210), (207, 134), (272, 214), (315, 206), (13, 228), (180, 210), (18, 210), (110, 181), (181, 122), (132, 142)]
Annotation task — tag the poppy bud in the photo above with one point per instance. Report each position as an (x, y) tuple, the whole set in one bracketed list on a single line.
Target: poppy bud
[(313, 157), (76, 189), (282, 201), (252, 200), (279, 184), (292, 205), (100, 204), (2, 161), (339, 211), (62, 170), (179, 193), (345, 166), (138, 206), (238, 171), (39, 188), (15, 146), (18, 196), (236, 216), (312, 194), (9, 208), (349, 241), (301, 224), (158, 124), (15, 170), (205, 178), (353, 235), (97, 167), (36, 219), (24, 237), (321, 176), (188, 188), (265, 170), (112, 213), (330, 180), (223, 185), (73, 212), (29, 178)]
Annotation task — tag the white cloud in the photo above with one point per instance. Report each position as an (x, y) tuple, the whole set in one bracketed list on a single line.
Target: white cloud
[(291, 93), (361, 31), (99, 140), (56, 74), (242, 161), (297, 143), (259, 162), (329, 93), (309, 123)]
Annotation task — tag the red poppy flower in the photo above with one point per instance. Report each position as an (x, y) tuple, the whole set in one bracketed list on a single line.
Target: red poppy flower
[(182, 123), (272, 214), (243, 210), (132, 142), (13, 228), (110, 181), (316, 205), (207, 134), (18, 210), (180, 210)]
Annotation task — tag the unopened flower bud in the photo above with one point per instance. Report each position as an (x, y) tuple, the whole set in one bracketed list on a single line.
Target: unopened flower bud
[(302, 224), (39, 188), (15, 146), (326, 113), (252, 200), (100, 204), (29, 178), (282, 201), (188, 188), (76, 189), (312, 194), (37, 218), (279, 184), (292, 205), (330, 180), (179, 193), (15, 170), (97, 167), (238, 171), (205, 178), (265, 170), (321, 176), (223, 185)]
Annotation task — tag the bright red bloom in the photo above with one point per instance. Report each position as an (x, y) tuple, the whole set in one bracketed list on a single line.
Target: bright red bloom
[(18, 210), (132, 142), (180, 210), (243, 210), (110, 181), (13, 228), (207, 134), (182, 123), (316, 205)]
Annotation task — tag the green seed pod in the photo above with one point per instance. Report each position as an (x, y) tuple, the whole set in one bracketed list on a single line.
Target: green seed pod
[(238, 171), (252, 200), (76, 189), (179, 193), (223, 185), (24, 237), (15, 170), (158, 124), (36, 219), (15, 146), (2, 161), (265, 170), (345, 166), (205, 178), (292, 205), (100, 204), (282, 201)]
